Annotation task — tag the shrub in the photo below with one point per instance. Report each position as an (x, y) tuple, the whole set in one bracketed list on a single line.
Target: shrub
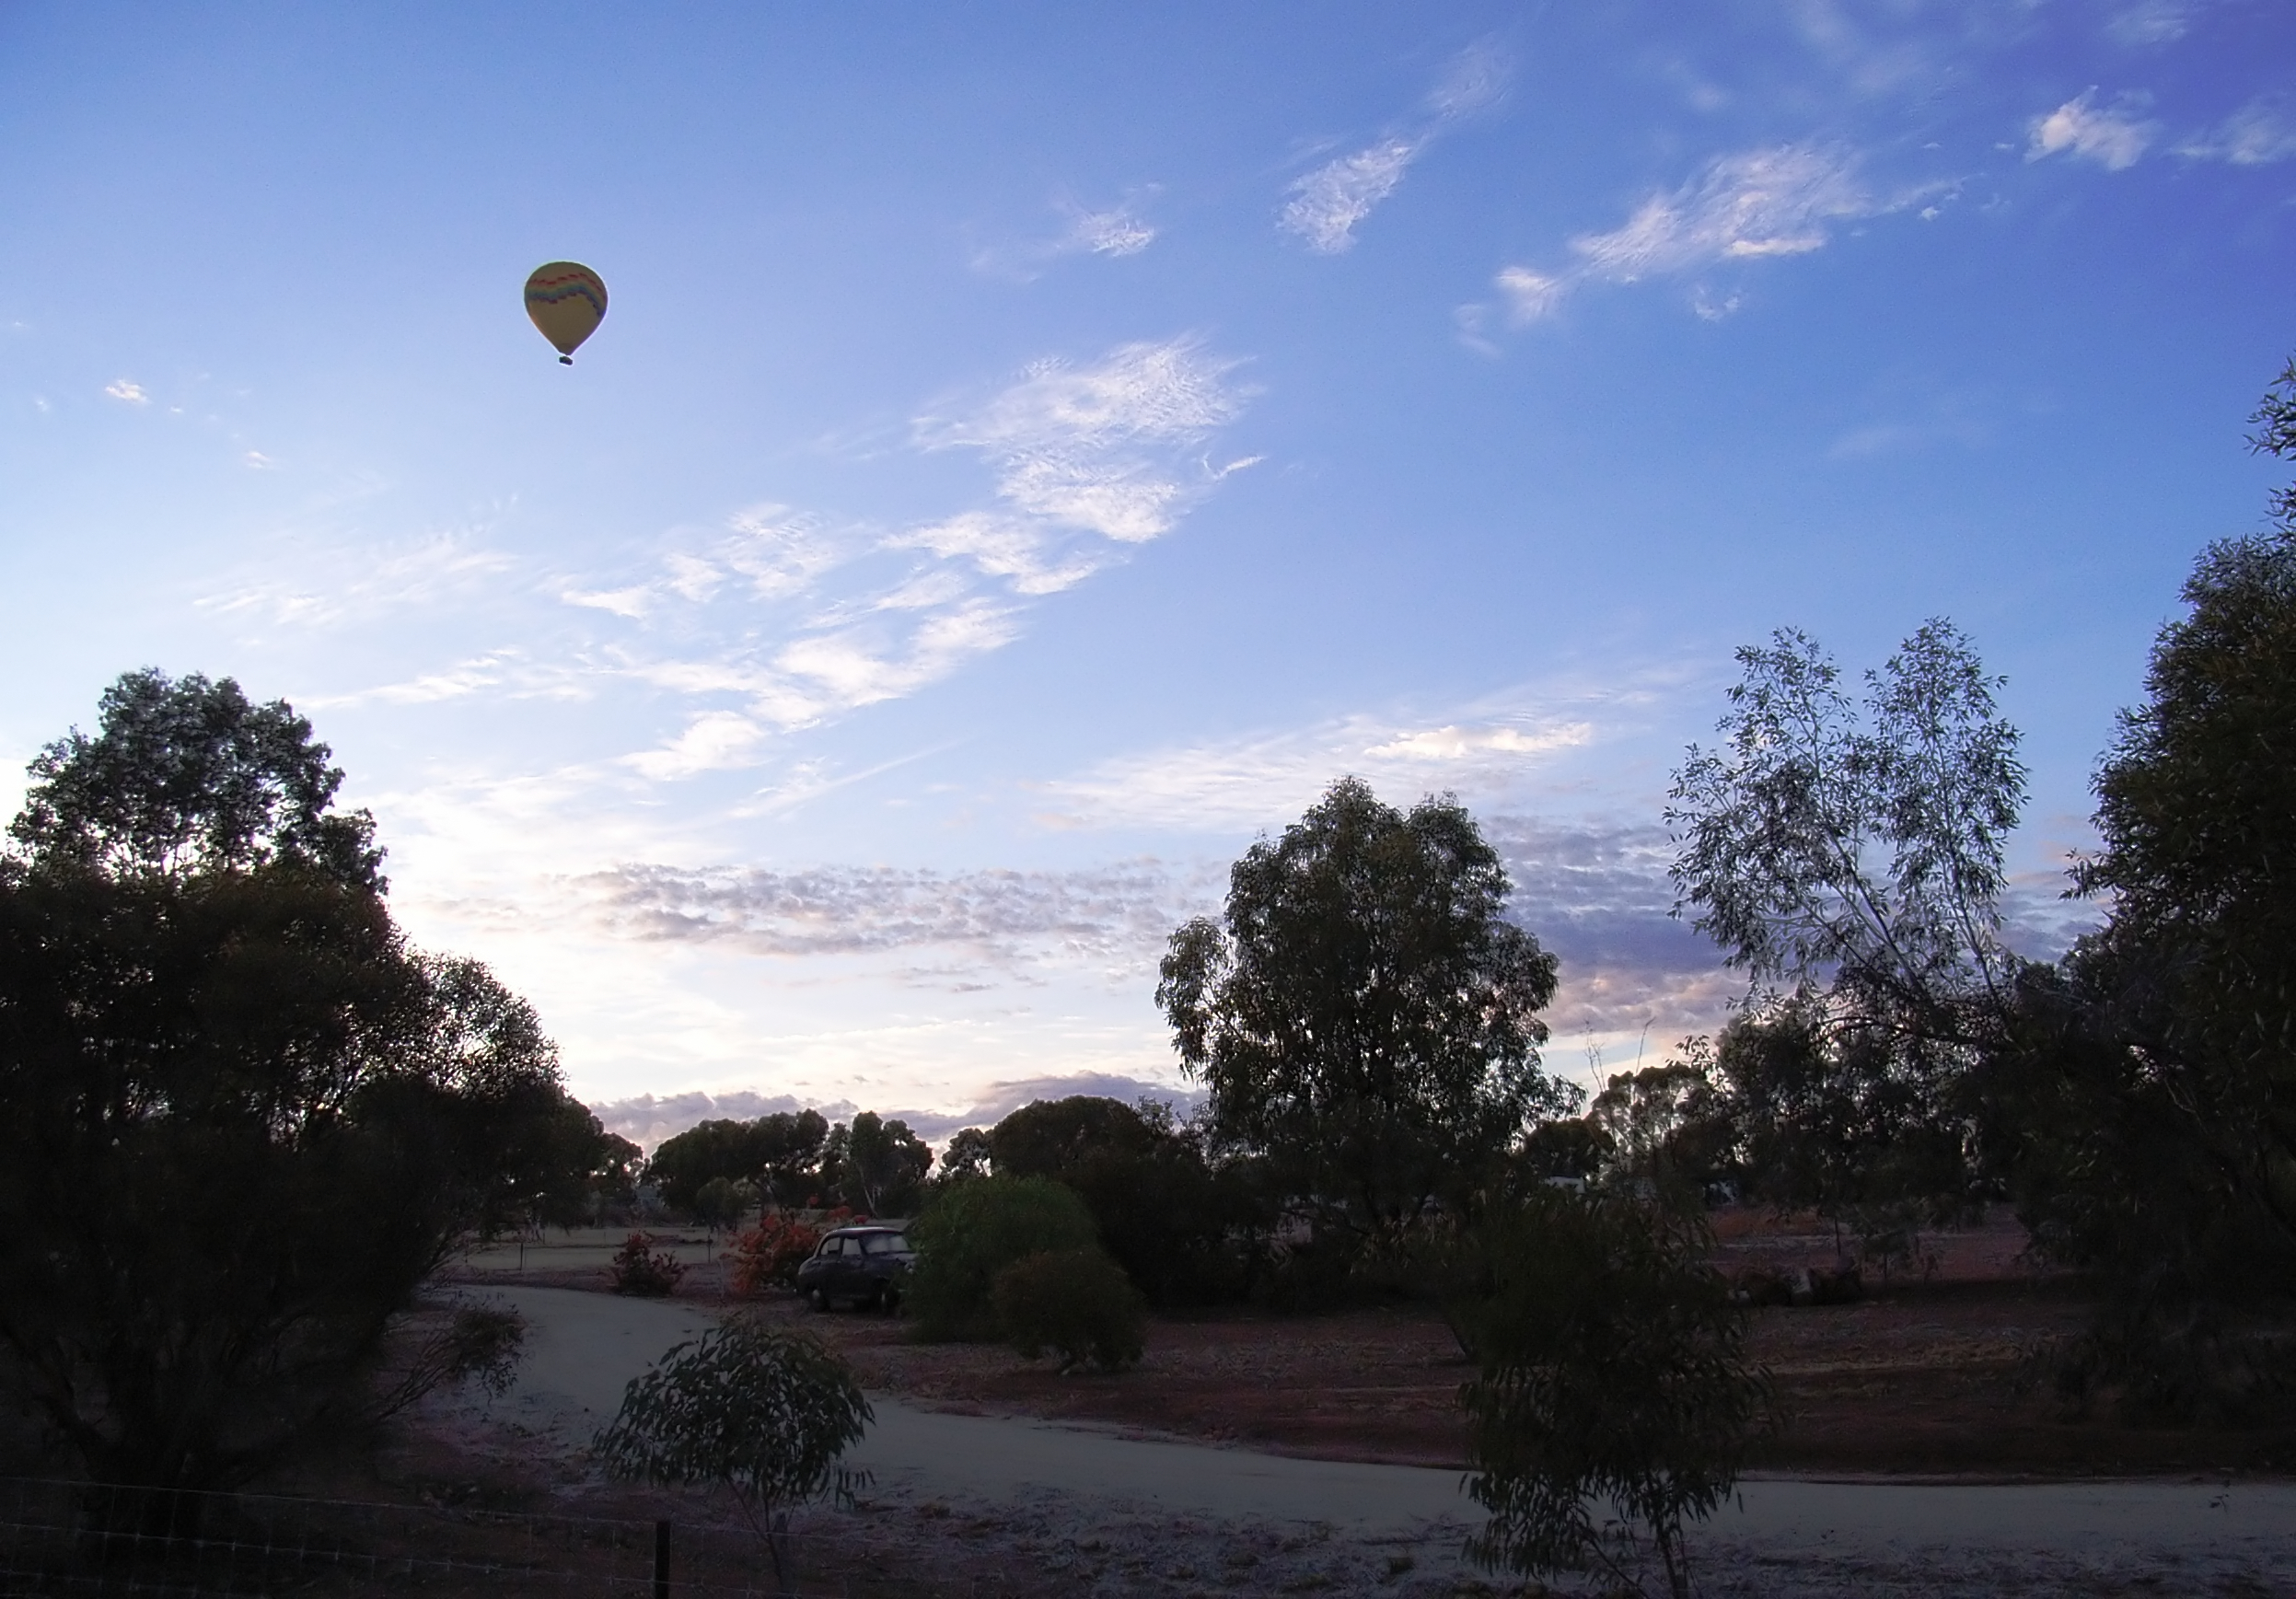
[(766, 1414), (640, 1272), (1076, 1302), (972, 1232), (1612, 1378), (767, 1256), (1166, 1212)]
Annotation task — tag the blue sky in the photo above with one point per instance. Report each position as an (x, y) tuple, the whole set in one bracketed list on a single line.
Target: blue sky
[(1033, 449)]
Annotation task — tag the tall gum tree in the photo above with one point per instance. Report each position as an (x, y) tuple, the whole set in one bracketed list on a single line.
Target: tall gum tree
[(1364, 1014)]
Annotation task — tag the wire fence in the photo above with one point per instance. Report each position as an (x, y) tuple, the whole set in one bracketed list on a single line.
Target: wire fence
[(67, 1538)]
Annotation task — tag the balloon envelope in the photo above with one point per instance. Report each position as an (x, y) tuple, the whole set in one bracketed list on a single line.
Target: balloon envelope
[(567, 301)]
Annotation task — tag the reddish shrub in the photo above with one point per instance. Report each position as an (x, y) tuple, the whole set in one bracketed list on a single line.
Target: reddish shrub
[(767, 1256), (639, 1271)]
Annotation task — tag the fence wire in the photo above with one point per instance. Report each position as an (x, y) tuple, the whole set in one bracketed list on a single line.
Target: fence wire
[(66, 1538)]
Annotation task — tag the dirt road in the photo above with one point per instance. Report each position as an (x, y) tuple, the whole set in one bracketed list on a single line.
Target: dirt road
[(585, 1347)]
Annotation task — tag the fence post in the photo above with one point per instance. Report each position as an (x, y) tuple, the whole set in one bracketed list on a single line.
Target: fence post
[(661, 1560)]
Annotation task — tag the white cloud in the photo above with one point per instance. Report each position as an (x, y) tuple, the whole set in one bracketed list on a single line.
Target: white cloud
[(1328, 204), (1530, 296), (1115, 232), (1093, 447), (1477, 79), (779, 621), (2256, 136), (1123, 911), (2151, 22), (257, 460), (2114, 139), (1111, 231), (353, 581), (714, 741), (1751, 205), (855, 668), (999, 546), (632, 602), (1266, 780), (127, 391), (1756, 203), (1456, 743)]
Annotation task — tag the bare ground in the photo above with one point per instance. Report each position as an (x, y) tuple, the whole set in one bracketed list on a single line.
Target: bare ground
[(1929, 1376)]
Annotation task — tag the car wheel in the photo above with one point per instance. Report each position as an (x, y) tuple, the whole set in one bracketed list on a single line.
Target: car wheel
[(889, 1300), (819, 1300)]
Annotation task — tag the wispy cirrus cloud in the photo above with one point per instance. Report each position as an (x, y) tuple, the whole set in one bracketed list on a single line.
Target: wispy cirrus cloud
[(1786, 200), (334, 584), (1117, 231), (1110, 232), (1264, 781), (127, 391), (2114, 137), (2151, 22), (812, 620), (1092, 448), (2259, 133), (1328, 204)]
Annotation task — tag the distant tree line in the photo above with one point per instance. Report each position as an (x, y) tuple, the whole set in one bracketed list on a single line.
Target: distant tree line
[(718, 1170)]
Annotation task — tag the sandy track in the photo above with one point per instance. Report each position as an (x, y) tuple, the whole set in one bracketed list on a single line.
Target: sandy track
[(1783, 1535)]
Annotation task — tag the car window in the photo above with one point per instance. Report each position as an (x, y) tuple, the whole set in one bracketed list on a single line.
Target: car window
[(882, 1242), (832, 1248)]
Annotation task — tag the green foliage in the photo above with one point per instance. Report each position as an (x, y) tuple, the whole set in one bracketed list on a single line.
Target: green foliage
[(766, 1415), (1854, 854), (722, 1201), (2275, 435), (642, 1273), (797, 1160), (974, 1230), (1611, 1375), (185, 775), (878, 1166), (581, 1169), (1831, 1118), (1076, 1302), (1364, 1015), (1667, 1127), (1166, 1215), (1048, 1137), (248, 1122), (2149, 1094), (968, 1154), (1860, 853)]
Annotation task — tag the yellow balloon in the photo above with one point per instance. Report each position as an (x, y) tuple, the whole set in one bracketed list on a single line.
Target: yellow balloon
[(567, 301)]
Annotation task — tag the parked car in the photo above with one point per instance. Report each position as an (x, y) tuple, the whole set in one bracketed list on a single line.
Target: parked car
[(864, 1265)]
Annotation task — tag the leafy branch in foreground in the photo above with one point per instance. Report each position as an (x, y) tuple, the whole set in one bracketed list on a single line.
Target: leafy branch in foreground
[(765, 1414), (1613, 1377)]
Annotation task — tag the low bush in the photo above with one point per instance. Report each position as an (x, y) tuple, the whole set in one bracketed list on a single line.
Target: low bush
[(638, 1270), (767, 1256), (974, 1230), (1613, 1400), (1076, 1302)]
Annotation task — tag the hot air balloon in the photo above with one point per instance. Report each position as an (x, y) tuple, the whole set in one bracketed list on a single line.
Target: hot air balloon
[(567, 301)]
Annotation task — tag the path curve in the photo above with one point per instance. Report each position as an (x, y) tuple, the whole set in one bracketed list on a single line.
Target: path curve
[(582, 1348)]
